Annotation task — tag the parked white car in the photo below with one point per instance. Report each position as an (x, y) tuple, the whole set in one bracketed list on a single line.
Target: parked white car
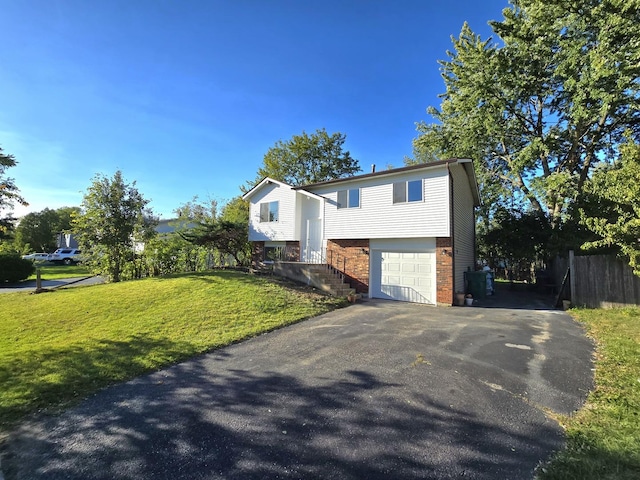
[(37, 257), (67, 256)]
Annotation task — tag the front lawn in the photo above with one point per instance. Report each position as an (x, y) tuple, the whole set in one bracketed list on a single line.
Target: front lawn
[(60, 346), (50, 271), (603, 438)]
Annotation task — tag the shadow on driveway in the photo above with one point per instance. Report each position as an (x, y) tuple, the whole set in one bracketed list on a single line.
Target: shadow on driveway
[(378, 390)]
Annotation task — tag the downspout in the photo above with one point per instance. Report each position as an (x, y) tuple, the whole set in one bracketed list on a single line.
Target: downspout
[(451, 230)]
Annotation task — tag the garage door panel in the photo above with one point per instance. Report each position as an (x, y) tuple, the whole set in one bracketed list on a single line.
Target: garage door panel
[(424, 269), (405, 294), (406, 276)]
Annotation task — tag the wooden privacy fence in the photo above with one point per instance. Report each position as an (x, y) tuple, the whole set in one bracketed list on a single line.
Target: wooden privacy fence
[(602, 281)]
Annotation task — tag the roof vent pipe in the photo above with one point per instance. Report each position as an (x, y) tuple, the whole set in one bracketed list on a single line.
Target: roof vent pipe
[(373, 168)]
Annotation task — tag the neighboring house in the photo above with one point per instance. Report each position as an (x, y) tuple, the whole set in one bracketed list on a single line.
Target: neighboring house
[(173, 224), (66, 240), (404, 234)]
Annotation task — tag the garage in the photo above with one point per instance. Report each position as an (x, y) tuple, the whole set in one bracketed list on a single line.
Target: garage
[(403, 270)]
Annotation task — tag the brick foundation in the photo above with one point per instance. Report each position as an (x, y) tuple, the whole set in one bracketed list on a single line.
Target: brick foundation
[(292, 251), (351, 257), (257, 253), (444, 271)]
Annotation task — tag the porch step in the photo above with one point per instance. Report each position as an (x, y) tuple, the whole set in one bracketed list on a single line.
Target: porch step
[(321, 276)]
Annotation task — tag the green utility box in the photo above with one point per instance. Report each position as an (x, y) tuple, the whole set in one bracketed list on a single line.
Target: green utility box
[(476, 283)]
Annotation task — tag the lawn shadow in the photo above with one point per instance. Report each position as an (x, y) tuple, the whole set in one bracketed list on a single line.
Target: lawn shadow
[(53, 377)]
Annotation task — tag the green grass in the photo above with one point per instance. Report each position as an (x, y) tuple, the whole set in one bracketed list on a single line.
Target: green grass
[(60, 346), (603, 438), (53, 272)]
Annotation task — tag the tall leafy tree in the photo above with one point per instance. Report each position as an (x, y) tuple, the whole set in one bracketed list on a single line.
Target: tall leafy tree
[(228, 238), (611, 208), (235, 210), (9, 194), (541, 105), (39, 229), (224, 234), (113, 221), (308, 159), (514, 239)]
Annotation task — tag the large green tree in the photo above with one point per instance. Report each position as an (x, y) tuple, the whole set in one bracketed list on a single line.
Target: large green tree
[(9, 194), (306, 159), (540, 105), (235, 210), (611, 208), (224, 234), (38, 230), (113, 222)]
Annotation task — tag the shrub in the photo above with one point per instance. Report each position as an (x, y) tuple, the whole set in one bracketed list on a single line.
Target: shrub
[(13, 268)]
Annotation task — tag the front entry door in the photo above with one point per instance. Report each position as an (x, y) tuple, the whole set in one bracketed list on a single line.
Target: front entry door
[(313, 247)]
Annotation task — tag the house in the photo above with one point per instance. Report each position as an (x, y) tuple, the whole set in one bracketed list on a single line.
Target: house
[(404, 234), (172, 225), (66, 240)]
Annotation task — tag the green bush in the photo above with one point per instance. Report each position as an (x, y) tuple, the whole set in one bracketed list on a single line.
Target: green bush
[(13, 268)]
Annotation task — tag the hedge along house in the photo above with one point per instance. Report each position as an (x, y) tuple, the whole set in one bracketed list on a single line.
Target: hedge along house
[(404, 234)]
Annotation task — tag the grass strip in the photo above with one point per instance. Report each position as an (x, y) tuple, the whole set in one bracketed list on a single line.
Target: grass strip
[(61, 346), (603, 438)]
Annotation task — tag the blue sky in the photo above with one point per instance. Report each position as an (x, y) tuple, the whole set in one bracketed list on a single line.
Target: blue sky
[(185, 97)]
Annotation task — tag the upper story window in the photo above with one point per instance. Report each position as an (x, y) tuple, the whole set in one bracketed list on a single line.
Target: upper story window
[(349, 198), (269, 212), (410, 191)]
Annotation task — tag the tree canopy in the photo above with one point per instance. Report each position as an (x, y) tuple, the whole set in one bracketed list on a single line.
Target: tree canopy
[(114, 218), (306, 159), (9, 194), (38, 230), (225, 233), (611, 208), (541, 105)]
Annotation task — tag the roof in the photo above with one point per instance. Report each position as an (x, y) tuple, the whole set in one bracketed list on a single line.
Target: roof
[(392, 171), (261, 183), (268, 181), (466, 163)]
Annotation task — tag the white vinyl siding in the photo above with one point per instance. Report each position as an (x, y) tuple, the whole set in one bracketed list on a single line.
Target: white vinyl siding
[(463, 226), (285, 227), (378, 215)]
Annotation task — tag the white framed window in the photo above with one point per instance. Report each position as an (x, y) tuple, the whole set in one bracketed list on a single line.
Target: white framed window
[(269, 211), (349, 198), (409, 191)]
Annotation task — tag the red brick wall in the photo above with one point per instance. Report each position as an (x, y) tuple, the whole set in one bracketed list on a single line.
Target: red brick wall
[(351, 257), (444, 271), (257, 253), (292, 251)]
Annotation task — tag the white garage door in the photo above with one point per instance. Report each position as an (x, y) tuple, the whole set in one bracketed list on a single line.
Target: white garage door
[(403, 275)]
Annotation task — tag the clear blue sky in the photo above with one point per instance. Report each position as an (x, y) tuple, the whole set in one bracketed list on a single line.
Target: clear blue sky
[(185, 97)]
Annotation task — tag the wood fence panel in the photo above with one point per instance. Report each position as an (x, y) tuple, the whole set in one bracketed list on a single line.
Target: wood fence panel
[(604, 281)]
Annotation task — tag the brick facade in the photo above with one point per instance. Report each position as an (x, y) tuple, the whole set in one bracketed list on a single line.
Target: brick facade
[(292, 251), (257, 253), (351, 257), (444, 271)]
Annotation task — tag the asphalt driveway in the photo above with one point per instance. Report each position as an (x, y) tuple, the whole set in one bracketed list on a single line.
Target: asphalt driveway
[(30, 285), (377, 390)]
